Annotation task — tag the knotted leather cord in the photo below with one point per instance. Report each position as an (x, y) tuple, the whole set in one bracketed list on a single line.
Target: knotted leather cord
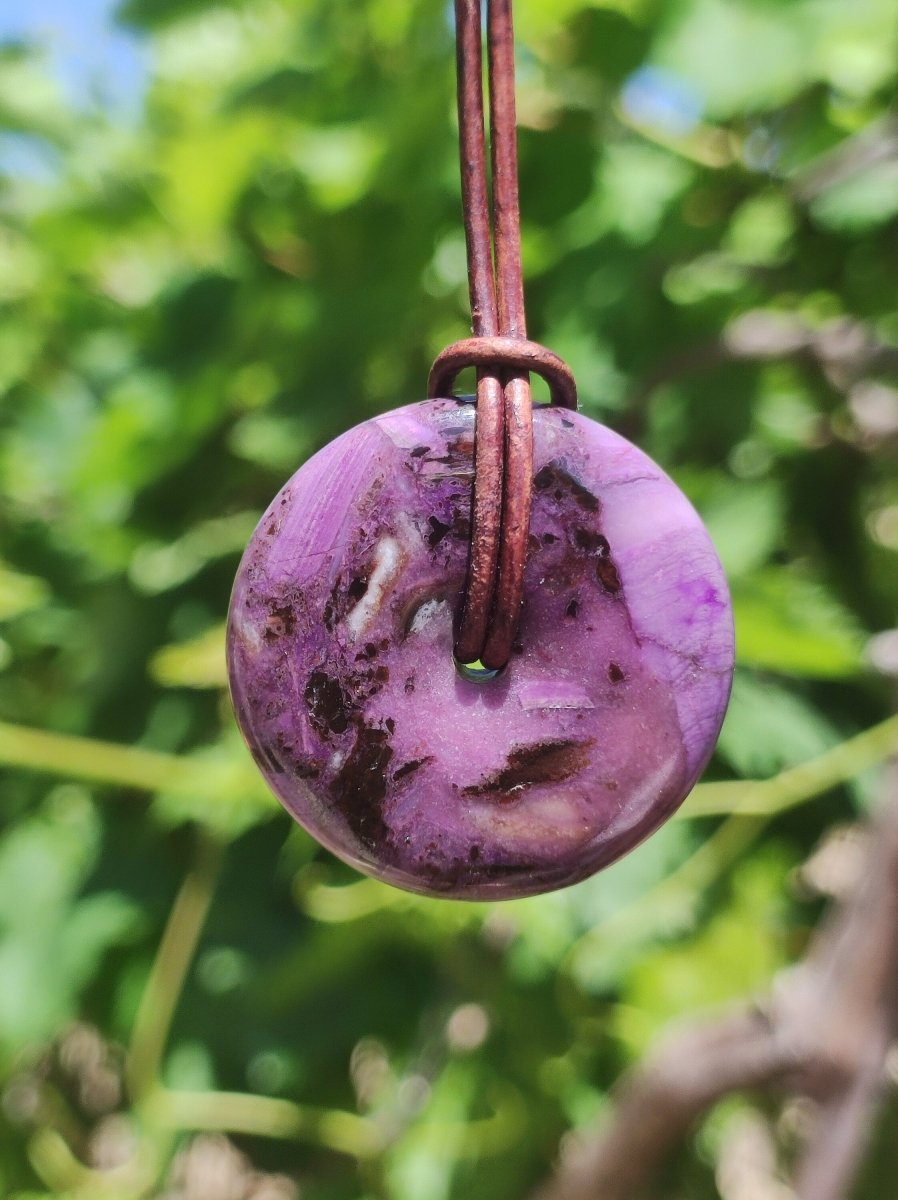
[(503, 454)]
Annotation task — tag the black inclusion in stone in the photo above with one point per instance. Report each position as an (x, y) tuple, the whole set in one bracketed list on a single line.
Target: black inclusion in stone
[(360, 787), (546, 762), (438, 530), (591, 542), (410, 768), (606, 573), (357, 588), (330, 708), (554, 476)]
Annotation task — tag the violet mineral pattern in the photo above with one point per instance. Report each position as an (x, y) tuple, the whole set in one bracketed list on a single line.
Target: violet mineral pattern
[(346, 690)]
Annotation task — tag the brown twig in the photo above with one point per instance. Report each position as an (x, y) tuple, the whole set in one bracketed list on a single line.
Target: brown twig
[(845, 351), (823, 1034), (876, 144), (847, 993), (657, 1106)]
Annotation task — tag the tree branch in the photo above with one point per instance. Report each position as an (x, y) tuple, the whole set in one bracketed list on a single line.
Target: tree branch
[(657, 1105), (824, 1034), (845, 351)]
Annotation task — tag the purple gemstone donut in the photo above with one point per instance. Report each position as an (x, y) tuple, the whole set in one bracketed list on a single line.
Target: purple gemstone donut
[(346, 690)]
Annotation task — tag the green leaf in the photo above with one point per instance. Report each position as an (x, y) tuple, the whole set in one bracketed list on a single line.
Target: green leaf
[(20, 593), (791, 625), (197, 663), (768, 727), (761, 229), (736, 54), (158, 567), (734, 956), (862, 201), (745, 521), (231, 799), (52, 936), (638, 184), (422, 1164)]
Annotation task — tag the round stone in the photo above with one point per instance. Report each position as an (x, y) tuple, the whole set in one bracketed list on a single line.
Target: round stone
[(346, 690)]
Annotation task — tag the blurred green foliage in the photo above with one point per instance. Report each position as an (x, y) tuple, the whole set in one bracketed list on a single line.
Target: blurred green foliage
[(192, 303)]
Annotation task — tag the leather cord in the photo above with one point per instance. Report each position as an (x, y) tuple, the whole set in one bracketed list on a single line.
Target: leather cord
[(503, 454)]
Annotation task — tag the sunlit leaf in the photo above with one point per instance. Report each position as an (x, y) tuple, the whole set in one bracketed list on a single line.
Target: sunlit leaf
[(20, 593), (736, 954), (769, 727), (790, 625), (52, 935), (198, 663)]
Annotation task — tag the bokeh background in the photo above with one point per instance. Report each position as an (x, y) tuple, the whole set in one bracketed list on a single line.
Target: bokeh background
[(227, 232)]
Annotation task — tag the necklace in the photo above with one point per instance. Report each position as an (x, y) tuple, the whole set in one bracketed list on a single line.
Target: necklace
[(477, 648)]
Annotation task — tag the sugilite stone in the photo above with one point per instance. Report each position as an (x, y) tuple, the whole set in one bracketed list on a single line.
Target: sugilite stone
[(346, 690)]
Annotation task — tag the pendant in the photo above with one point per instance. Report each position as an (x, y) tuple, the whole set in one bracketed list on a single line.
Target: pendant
[(416, 771)]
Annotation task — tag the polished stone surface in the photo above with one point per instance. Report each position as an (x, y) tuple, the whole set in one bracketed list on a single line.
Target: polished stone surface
[(346, 690)]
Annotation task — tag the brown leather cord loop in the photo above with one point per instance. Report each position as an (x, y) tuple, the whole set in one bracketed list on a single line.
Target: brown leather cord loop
[(486, 520), (489, 450), (517, 493), (503, 454), (502, 353), (517, 500)]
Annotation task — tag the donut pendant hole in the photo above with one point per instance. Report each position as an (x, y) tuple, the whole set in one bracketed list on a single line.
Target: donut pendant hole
[(476, 672)]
